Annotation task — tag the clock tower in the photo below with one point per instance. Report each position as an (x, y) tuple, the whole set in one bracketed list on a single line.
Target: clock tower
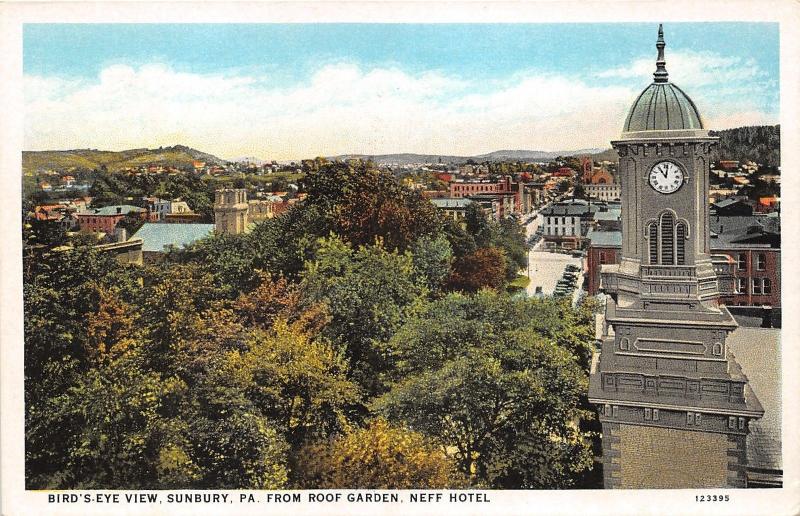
[(673, 402)]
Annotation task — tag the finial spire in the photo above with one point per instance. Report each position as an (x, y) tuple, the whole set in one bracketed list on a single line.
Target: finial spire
[(660, 74)]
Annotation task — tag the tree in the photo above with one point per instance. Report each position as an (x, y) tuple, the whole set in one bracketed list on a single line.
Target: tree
[(295, 381), (364, 203), (483, 374), (431, 257), (369, 293), (485, 268), (380, 456)]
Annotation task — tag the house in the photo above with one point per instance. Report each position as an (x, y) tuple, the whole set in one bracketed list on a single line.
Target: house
[(603, 191), (567, 223), (732, 206), (453, 207), (105, 219)]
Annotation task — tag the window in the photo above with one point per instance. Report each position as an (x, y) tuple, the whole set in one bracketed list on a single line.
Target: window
[(741, 262), (761, 262), (741, 423), (732, 422), (648, 414), (602, 258), (756, 286), (607, 410), (614, 410), (766, 286), (739, 287), (655, 414), (690, 418)]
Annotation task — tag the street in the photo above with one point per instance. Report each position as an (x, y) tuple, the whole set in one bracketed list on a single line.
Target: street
[(545, 268)]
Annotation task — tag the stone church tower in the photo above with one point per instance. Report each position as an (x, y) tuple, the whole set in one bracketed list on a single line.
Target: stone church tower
[(230, 211), (673, 402)]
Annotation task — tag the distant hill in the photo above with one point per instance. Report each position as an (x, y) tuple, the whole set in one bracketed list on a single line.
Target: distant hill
[(760, 143), (90, 159), (501, 155)]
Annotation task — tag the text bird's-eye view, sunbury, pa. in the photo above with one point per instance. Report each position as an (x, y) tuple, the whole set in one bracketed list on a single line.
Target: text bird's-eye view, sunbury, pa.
[(296, 256)]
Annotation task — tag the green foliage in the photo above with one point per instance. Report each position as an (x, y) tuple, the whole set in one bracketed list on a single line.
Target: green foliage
[(369, 292), (297, 382), (208, 372), (431, 257), (505, 395), (760, 144)]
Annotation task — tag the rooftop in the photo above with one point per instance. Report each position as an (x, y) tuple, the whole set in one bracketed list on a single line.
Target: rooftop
[(745, 230), (605, 238), (158, 236), (451, 202), (121, 209), (758, 352)]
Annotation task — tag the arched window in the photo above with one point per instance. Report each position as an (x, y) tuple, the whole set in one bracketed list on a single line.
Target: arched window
[(667, 240)]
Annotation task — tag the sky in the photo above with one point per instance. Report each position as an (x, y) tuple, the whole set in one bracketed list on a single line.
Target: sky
[(290, 91)]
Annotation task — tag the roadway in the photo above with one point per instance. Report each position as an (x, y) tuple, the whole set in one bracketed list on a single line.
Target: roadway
[(546, 268)]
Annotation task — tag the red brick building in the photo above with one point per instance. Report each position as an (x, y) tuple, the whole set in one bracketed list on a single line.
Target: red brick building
[(105, 220), (460, 189), (604, 248)]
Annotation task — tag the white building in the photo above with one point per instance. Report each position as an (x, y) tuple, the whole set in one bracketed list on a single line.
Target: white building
[(603, 192)]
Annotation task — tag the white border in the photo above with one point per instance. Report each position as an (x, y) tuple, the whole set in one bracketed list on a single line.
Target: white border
[(15, 501)]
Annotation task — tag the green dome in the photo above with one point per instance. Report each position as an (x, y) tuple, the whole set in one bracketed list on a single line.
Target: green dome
[(662, 106)]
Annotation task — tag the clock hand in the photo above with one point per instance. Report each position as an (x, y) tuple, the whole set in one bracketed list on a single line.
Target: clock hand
[(664, 170)]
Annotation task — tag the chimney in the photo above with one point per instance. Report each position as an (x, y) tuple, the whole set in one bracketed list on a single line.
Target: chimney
[(119, 210)]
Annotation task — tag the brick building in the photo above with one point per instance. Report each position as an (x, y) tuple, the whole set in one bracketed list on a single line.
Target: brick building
[(510, 194), (105, 219)]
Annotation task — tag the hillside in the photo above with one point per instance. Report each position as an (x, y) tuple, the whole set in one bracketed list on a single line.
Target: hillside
[(90, 159), (761, 144)]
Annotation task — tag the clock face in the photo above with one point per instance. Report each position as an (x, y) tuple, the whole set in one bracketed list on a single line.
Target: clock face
[(666, 177)]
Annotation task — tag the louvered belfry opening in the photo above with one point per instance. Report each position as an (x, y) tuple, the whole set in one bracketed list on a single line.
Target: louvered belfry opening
[(680, 243), (652, 237), (667, 239)]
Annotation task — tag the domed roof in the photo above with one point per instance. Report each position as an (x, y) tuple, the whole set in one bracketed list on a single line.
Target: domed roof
[(662, 106)]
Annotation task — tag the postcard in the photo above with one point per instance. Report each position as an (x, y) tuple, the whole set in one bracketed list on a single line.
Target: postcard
[(359, 258)]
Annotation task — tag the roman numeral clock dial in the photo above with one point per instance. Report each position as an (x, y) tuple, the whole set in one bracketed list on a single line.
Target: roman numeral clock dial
[(666, 177)]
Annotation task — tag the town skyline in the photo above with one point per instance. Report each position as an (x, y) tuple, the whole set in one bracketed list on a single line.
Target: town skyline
[(420, 91)]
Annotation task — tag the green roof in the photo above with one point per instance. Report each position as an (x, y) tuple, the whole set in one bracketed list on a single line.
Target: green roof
[(605, 238), (662, 107), (120, 209), (156, 236)]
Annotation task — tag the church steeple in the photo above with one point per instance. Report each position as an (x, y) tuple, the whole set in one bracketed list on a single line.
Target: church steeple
[(660, 74)]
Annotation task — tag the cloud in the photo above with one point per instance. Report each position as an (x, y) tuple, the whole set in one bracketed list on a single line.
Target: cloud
[(340, 108)]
